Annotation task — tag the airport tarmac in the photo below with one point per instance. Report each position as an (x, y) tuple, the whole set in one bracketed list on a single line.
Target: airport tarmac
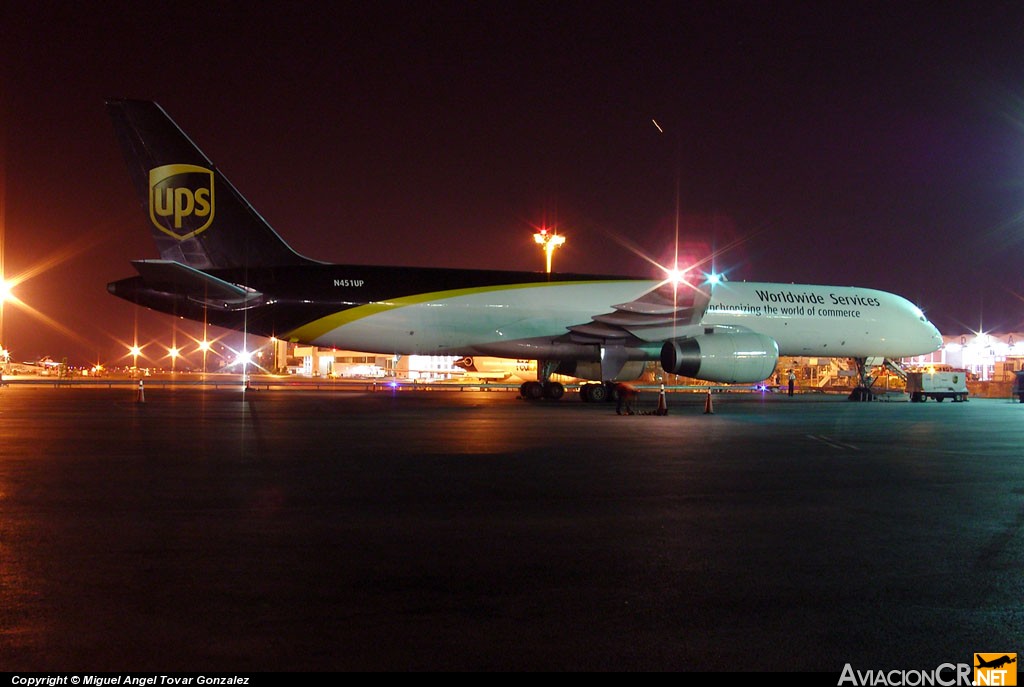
[(314, 531)]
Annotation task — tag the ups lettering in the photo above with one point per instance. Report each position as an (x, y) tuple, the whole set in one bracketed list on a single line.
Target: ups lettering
[(181, 202)]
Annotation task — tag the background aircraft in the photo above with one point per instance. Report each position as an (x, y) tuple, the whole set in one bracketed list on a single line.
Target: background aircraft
[(506, 370)]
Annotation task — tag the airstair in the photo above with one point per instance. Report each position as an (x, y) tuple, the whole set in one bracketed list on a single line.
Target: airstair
[(894, 367)]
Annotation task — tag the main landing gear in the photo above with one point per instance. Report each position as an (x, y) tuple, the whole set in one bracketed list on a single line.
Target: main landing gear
[(544, 388), (592, 392), (598, 392), (535, 391)]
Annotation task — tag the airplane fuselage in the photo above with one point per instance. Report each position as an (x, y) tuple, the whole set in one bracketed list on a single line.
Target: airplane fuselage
[(432, 311)]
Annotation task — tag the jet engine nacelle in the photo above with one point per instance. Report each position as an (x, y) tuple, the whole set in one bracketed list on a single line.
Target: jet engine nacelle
[(726, 358)]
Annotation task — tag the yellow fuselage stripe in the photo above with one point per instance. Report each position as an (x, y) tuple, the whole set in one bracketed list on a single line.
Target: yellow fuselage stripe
[(317, 328)]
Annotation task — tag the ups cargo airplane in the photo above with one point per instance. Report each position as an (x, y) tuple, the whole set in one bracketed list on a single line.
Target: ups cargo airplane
[(222, 263)]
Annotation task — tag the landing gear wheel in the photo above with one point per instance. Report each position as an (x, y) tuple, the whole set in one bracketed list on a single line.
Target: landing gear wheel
[(585, 394), (596, 393), (553, 390), (532, 391)]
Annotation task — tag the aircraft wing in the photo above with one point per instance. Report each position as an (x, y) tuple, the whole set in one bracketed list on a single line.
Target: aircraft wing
[(668, 312), (656, 315)]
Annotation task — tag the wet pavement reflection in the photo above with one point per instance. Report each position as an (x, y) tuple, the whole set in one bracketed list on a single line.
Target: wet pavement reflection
[(215, 530)]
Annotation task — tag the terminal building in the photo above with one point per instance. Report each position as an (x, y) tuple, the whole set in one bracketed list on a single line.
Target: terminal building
[(310, 361), (986, 357)]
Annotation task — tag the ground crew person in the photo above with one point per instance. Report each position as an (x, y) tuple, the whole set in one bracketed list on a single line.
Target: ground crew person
[(626, 394)]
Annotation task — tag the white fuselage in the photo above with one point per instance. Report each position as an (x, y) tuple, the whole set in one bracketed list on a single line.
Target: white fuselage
[(472, 321), (523, 320)]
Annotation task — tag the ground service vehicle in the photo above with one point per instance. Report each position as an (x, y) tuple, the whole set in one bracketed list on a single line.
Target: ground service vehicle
[(938, 385)]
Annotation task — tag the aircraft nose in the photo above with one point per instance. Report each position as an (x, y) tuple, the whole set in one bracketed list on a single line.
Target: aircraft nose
[(933, 335), (925, 334)]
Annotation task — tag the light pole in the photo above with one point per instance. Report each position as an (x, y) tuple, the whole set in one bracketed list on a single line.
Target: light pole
[(548, 242), (679, 146), (204, 346), (5, 295), (135, 351)]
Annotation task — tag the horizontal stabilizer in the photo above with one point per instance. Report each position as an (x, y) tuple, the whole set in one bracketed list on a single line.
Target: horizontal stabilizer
[(174, 277)]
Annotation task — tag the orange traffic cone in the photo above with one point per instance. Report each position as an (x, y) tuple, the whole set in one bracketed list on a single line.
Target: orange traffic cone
[(662, 406), (140, 394), (708, 406)]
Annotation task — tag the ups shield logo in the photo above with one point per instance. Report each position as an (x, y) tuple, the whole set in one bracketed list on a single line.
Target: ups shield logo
[(181, 199)]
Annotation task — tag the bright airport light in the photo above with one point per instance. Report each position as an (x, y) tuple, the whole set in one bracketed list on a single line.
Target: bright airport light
[(548, 242), (676, 276)]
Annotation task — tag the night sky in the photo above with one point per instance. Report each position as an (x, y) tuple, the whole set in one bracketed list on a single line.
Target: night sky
[(878, 145)]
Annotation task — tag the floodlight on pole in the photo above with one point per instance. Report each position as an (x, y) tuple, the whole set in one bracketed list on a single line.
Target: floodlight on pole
[(5, 295), (135, 351), (548, 242), (204, 346)]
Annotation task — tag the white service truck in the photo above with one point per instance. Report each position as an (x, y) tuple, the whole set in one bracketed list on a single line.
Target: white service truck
[(938, 385)]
